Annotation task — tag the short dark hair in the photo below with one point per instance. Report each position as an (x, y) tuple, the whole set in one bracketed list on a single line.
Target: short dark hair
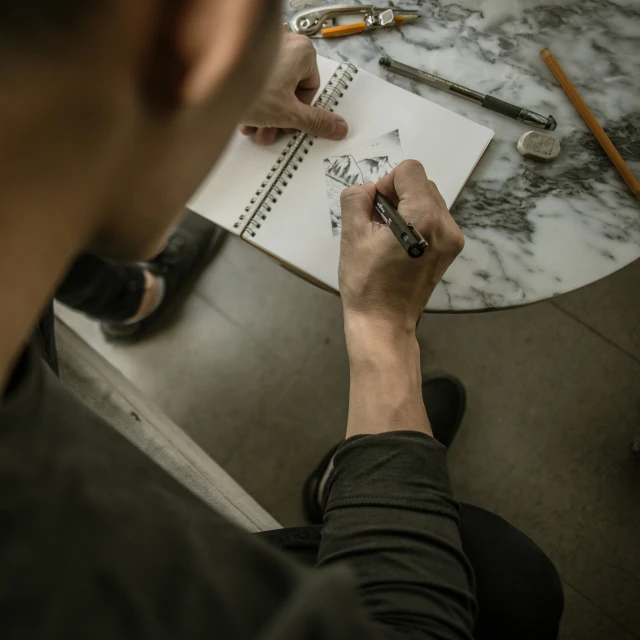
[(32, 21)]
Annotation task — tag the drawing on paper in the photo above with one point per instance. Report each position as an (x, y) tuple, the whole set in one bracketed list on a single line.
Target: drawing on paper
[(371, 160)]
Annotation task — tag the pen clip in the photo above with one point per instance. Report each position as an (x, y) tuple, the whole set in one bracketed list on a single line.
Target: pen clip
[(416, 248), (419, 238)]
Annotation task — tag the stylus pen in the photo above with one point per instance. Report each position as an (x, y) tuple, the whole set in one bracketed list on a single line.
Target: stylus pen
[(488, 102), (408, 236)]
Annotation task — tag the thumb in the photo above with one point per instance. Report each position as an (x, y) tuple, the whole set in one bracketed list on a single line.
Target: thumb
[(356, 204), (321, 122)]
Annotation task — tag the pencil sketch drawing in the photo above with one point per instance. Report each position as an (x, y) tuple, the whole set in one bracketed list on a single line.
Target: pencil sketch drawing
[(369, 161)]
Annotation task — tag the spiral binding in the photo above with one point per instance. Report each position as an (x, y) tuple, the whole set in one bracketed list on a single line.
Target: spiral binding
[(293, 155)]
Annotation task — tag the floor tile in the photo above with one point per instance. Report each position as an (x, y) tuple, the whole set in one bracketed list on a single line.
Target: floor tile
[(309, 419), (584, 621), (611, 307), (202, 370), (552, 409), (285, 314), (275, 460)]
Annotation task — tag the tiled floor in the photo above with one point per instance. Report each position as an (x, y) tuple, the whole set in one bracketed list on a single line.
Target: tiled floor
[(254, 367)]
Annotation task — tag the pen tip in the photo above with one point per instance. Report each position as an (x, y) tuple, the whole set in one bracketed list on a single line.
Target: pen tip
[(385, 62)]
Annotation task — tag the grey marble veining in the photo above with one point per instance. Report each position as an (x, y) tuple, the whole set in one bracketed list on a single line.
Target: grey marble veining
[(533, 230)]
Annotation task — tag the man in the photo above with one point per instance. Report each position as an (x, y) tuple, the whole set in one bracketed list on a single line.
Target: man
[(112, 114)]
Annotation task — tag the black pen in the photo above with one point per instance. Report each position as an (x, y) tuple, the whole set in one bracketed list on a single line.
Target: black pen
[(409, 237), (488, 102)]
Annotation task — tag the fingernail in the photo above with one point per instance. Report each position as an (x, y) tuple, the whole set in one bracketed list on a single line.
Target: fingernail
[(341, 130)]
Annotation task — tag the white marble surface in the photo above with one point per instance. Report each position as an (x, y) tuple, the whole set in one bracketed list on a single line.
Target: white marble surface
[(533, 231)]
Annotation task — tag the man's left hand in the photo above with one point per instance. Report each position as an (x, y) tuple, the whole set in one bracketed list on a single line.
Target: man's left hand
[(285, 102)]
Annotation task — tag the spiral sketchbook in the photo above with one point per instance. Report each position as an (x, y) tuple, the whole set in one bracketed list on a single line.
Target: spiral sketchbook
[(285, 199)]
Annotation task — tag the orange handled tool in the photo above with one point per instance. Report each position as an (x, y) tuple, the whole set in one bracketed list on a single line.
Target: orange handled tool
[(323, 22), (360, 27)]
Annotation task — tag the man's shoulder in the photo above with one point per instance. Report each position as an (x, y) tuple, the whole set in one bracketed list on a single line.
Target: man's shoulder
[(96, 526)]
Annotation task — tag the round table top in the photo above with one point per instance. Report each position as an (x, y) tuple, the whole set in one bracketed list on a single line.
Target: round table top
[(533, 230)]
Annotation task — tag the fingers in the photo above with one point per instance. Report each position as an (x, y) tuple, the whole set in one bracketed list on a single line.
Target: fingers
[(407, 181), (305, 54), (306, 96), (357, 208), (420, 203), (319, 122), (286, 100), (313, 120), (262, 135), (309, 84), (266, 136)]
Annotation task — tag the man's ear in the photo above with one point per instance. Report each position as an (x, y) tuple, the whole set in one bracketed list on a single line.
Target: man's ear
[(212, 38)]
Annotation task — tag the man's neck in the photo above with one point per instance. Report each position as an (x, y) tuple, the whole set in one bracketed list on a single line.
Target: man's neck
[(35, 252)]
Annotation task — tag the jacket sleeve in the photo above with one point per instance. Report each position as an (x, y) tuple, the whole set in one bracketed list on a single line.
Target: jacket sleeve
[(391, 517)]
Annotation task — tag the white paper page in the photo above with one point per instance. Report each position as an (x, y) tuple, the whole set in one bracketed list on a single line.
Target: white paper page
[(299, 229), (229, 188)]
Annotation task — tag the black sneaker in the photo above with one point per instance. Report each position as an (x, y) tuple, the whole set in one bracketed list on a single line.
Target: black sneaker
[(192, 245), (445, 399)]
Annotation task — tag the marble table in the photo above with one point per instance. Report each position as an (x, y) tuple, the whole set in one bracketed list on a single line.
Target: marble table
[(533, 230)]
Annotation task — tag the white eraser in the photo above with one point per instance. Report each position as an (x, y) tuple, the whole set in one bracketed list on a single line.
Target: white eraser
[(539, 146)]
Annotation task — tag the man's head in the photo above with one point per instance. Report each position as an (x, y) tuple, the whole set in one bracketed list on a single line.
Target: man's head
[(113, 111)]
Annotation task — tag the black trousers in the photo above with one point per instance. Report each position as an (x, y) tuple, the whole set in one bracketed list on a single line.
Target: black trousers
[(102, 290), (518, 589)]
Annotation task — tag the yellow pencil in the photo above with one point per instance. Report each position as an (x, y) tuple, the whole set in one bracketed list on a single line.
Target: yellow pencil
[(592, 123)]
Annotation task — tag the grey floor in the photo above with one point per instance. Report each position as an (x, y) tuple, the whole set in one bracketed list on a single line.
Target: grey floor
[(254, 368)]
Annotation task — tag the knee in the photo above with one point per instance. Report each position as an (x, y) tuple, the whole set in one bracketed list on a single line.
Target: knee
[(543, 590), (518, 588)]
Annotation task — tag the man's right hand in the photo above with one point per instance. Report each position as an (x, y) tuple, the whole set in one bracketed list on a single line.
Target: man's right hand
[(384, 292), (378, 280)]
